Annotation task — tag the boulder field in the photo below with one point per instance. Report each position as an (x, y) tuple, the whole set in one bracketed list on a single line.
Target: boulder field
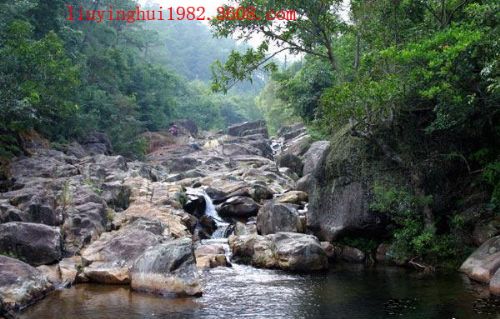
[(80, 214)]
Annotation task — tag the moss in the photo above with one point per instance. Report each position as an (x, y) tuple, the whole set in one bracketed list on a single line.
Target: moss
[(110, 215)]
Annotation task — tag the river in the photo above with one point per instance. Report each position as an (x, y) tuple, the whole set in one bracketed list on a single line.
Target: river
[(348, 291)]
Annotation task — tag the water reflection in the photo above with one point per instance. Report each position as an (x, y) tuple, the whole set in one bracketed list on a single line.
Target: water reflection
[(246, 292)]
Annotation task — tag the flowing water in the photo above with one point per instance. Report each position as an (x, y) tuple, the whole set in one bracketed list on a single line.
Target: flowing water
[(348, 292), (222, 226)]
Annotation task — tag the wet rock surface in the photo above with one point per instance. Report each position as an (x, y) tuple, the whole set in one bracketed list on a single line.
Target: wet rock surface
[(484, 262), (284, 250), (20, 285), (168, 268), (36, 244)]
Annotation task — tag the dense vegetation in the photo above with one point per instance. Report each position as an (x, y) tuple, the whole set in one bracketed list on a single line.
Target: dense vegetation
[(65, 79), (419, 80)]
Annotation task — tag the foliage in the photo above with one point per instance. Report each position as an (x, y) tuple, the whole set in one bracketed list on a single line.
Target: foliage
[(367, 245), (66, 79), (411, 239), (312, 32)]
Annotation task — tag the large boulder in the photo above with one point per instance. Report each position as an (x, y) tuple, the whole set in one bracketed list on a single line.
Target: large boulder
[(167, 268), (291, 161), (239, 129), (299, 252), (273, 218), (284, 250), (110, 257), (484, 262), (36, 244), (340, 188), (313, 156), (20, 285), (297, 146), (239, 207), (349, 254), (97, 143)]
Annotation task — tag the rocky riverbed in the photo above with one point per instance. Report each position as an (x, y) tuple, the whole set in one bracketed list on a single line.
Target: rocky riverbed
[(81, 215)]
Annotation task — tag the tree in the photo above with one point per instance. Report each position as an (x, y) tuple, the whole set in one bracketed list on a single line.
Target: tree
[(313, 33)]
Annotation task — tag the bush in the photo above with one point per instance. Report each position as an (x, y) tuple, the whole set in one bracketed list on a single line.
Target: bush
[(411, 238)]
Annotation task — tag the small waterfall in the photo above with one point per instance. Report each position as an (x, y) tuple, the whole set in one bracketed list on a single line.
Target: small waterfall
[(222, 227)]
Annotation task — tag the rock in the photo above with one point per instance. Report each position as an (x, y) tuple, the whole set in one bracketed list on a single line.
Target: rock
[(42, 209), (299, 252), (297, 146), (9, 213), (291, 161), (264, 147), (495, 284), (273, 218), (288, 172), (383, 253), (37, 244), (195, 203), (110, 257), (69, 268), (86, 218), (284, 250), (314, 155), (183, 164), (260, 192), (340, 191), (189, 125), (484, 261), (294, 134), (291, 131), (46, 164), (241, 229), (329, 249), (167, 268), (210, 256), (238, 206), (116, 195), (75, 149), (217, 196), (20, 285), (238, 129), (485, 230), (258, 131), (236, 149), (52, 273), (304, 183), (97, 143), (293, 197), (350, 254), (108, 273)]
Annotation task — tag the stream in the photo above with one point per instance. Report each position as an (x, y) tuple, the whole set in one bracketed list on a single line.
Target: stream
[(347, 291)]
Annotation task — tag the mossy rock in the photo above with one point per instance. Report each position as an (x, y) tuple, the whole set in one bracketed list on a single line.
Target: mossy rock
[(341, 188)]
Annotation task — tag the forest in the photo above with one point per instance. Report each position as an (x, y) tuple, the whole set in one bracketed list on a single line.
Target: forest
[(63, 78), (360, 133)]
